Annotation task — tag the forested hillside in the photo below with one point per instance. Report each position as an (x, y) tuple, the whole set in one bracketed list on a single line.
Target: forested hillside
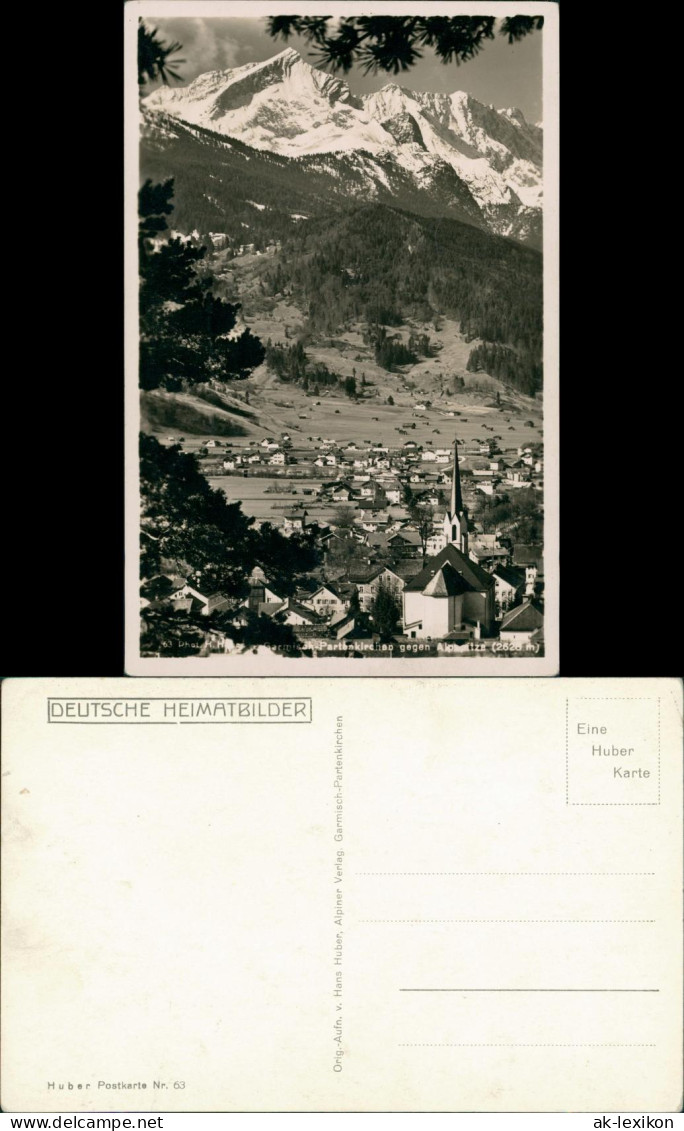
[(383, 265), (223, 185)]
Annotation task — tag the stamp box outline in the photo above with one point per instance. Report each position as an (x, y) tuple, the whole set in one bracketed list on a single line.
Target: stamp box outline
[(606, 699)]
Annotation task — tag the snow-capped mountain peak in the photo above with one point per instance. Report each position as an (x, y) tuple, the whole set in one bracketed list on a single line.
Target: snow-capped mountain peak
[(286, 106)]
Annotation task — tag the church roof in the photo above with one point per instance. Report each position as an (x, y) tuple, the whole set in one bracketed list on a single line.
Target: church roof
[(446, 583), (477, 578), (406, 568)]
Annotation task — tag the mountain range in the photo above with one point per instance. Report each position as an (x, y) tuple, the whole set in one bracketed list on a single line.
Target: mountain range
[(283, 137)]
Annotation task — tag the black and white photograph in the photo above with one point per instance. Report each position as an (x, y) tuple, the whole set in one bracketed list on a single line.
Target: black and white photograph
[(342, 339)]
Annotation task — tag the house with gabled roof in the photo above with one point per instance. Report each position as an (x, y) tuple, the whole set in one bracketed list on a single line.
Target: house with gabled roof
[(525, 554), (294, 519), (391, 490), (376, 541), (509, 584), (531, 559), (368, 582), (373, 519), (523, 624), (186, 605), (351, 626), (207, 602), (160, 588), (298, 615), (327, 601), (342, 492), (405, 542), (436, 541), (488, 553)]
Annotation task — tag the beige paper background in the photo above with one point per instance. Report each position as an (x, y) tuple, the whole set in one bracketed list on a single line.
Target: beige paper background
[(264, 662), (170, 902)]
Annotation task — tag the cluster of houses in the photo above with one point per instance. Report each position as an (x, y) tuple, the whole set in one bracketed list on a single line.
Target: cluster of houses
[(450, 584), (421, 466)]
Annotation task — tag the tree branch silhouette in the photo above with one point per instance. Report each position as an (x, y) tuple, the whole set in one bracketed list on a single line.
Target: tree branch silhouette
[(394, 43)]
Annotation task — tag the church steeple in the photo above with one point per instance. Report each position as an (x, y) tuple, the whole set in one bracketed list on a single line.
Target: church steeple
[(456, 519), (456, 496)]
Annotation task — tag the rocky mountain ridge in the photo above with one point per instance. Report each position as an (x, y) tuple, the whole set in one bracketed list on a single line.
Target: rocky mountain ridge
[(490, 159)]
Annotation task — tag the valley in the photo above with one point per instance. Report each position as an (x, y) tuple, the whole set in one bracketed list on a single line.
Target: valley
[(275, 406)]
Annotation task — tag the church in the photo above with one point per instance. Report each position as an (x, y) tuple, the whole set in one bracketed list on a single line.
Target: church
[(451, 594)]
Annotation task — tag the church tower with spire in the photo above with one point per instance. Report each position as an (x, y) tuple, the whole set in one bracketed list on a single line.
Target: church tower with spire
[(456, 519)]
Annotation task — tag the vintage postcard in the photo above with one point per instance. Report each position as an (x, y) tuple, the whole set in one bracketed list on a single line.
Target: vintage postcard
[(342, 338), (326, 895)]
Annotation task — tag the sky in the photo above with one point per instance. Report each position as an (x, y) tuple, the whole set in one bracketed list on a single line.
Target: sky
[(502, 75)]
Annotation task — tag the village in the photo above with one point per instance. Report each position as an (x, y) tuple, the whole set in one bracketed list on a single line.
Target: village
[(409, 561)]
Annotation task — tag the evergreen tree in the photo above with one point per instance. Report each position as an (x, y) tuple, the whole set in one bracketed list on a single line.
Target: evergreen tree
[(284, 559), (291, 364), (187, 522), (422, 517), (186, 332), (154, 205), (515, 368), (154, 56), (259, 631), (166, 631), (385, 611)]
